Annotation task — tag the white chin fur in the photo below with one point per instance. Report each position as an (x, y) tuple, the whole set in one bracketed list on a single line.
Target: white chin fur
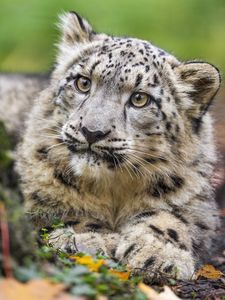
[(84, 166)]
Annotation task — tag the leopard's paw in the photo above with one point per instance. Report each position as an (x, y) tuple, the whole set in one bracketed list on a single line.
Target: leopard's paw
[(156, 258), (67, 240)]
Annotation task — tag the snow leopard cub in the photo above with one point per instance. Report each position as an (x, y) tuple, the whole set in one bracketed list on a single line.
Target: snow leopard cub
[(119, 147)]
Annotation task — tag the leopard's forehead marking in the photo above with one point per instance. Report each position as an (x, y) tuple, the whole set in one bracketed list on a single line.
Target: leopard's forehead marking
[(122, 60)]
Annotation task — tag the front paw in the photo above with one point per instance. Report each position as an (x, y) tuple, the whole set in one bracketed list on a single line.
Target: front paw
[(67, 240), (151, 257)]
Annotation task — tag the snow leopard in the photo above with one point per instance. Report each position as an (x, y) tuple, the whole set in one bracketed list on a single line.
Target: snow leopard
[(119, 147)]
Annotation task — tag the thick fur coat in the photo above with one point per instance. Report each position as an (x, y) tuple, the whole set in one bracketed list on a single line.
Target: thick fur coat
[(119, 147)]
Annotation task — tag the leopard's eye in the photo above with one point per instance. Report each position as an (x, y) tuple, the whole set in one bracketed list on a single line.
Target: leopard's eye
[(139, 99), (82, 84)]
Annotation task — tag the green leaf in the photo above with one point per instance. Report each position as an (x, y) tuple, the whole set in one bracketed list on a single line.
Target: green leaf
[(139, 295), (57, 223), (83, 290), (172, 281), (72, 275), (25, 274), (46, 252), (102, 288)]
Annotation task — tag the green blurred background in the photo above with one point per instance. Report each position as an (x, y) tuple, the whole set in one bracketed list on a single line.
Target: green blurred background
[(187, 28)]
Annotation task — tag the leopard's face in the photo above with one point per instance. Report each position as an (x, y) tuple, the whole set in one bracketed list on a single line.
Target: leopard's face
[(119, 109), (126, 103)]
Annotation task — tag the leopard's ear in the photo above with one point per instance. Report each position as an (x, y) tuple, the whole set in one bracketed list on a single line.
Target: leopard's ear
[(200, 82), (75, 29), (76, 33)]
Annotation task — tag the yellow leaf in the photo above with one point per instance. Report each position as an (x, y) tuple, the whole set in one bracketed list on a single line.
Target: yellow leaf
[(121, 275), (209, 272), (89, 262)]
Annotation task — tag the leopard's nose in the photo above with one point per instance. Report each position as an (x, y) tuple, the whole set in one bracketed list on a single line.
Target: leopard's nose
[(93, 136)]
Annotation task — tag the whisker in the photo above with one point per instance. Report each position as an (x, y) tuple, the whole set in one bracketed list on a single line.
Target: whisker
[(132, 166), (69, 170), (153, 156), (127, 167), (118, 162), (113, 159), (48, 136), (141, 174), (146, 153), (56, 145), (147, 171), (142, 161), (143, 152), (50, 122)]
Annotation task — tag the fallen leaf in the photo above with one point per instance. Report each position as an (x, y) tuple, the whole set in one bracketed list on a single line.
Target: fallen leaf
[(89, 262), (209, 272), (10, 289), (65, 296), (37, 289), (44, 289), (167, 294), (102, 297), (120, 275), (222, 212), (148, 291)]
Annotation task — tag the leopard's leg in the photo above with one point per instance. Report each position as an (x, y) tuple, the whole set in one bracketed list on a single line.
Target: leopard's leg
[(157, 243)]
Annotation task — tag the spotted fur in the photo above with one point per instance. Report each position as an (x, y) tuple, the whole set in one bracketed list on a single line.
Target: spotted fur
[(141, 187)]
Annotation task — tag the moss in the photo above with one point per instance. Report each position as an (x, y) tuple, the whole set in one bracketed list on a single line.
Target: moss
[(6, 157), (22, 241)]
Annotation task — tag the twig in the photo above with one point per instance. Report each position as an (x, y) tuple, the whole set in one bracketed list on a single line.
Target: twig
[(5, 241)]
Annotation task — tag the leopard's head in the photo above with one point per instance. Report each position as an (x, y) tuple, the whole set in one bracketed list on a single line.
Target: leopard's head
[(128, 106)]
